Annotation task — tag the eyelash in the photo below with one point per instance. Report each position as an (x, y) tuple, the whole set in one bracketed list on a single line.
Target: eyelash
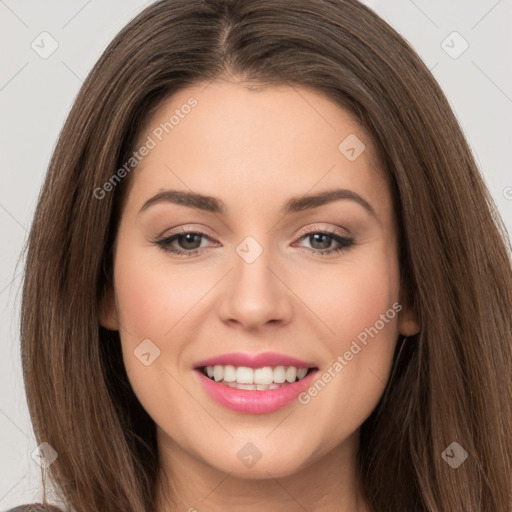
[(345, 243)]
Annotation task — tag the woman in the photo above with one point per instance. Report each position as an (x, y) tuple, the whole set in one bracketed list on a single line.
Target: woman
[(339, 338)]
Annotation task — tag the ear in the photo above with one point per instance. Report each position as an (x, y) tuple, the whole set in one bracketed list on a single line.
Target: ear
[(409, 323), (108, 310)]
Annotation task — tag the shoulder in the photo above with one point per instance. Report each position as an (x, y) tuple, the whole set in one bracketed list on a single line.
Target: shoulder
[(35, 507)]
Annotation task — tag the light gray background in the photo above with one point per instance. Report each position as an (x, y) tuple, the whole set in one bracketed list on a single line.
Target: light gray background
[(36, 94)]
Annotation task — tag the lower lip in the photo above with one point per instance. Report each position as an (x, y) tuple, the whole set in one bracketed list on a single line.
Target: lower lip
[(254, 402)]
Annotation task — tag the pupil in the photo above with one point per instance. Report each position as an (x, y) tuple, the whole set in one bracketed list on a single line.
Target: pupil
[(188, 240), (326, 240)]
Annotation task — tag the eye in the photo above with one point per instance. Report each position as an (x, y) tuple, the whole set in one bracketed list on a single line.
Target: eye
[(190, 242), (321, 242)]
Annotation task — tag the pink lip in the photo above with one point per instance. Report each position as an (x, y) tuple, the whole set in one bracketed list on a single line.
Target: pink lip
[(254, 402), (255, 360)]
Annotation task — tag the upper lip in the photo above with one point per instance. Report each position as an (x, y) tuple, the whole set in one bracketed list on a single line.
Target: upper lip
[(254, 360)]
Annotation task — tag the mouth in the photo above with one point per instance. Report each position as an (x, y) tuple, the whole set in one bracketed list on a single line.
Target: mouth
[(255, 379), (254, 383)]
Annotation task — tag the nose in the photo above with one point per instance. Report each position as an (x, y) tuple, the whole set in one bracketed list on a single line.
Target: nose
[(255, 295)]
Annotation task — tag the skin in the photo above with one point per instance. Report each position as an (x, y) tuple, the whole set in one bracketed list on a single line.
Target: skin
[(254, 149)]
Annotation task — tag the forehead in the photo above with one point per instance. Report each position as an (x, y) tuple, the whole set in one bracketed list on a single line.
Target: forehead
[(225, 136)]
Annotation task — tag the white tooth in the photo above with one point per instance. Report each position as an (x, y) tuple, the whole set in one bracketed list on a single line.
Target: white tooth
[(209, 371), (300, 373), (274, 386), (229, 373), (291, 374), (279, 374), (250, 387), (261, 387), (244, 375), (218, 372), (263, 375)]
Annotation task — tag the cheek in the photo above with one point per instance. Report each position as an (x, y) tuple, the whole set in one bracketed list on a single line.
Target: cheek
[(367, 296), (153, 297), (365, 322), (156, 301), (361, 308), (359, 304), (352, 296), (151, 300)]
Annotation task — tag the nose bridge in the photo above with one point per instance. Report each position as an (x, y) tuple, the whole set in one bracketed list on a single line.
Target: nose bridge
[(255, 296)]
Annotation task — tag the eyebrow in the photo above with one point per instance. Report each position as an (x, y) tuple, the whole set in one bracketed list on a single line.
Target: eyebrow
[(292, 205)]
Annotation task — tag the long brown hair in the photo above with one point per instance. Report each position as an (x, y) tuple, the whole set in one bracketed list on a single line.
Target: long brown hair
[(450, 383)]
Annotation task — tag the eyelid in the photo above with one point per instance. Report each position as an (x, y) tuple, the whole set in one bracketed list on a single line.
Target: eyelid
[(343, 232), (187, 228)]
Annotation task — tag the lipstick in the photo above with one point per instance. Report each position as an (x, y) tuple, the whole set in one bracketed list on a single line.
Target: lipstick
[(254, 383)]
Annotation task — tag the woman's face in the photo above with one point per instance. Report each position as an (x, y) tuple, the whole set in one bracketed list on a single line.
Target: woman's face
[(261, 292)]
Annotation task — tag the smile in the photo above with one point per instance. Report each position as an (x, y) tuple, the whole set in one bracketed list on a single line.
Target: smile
[(255, 379), (254, 384)]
